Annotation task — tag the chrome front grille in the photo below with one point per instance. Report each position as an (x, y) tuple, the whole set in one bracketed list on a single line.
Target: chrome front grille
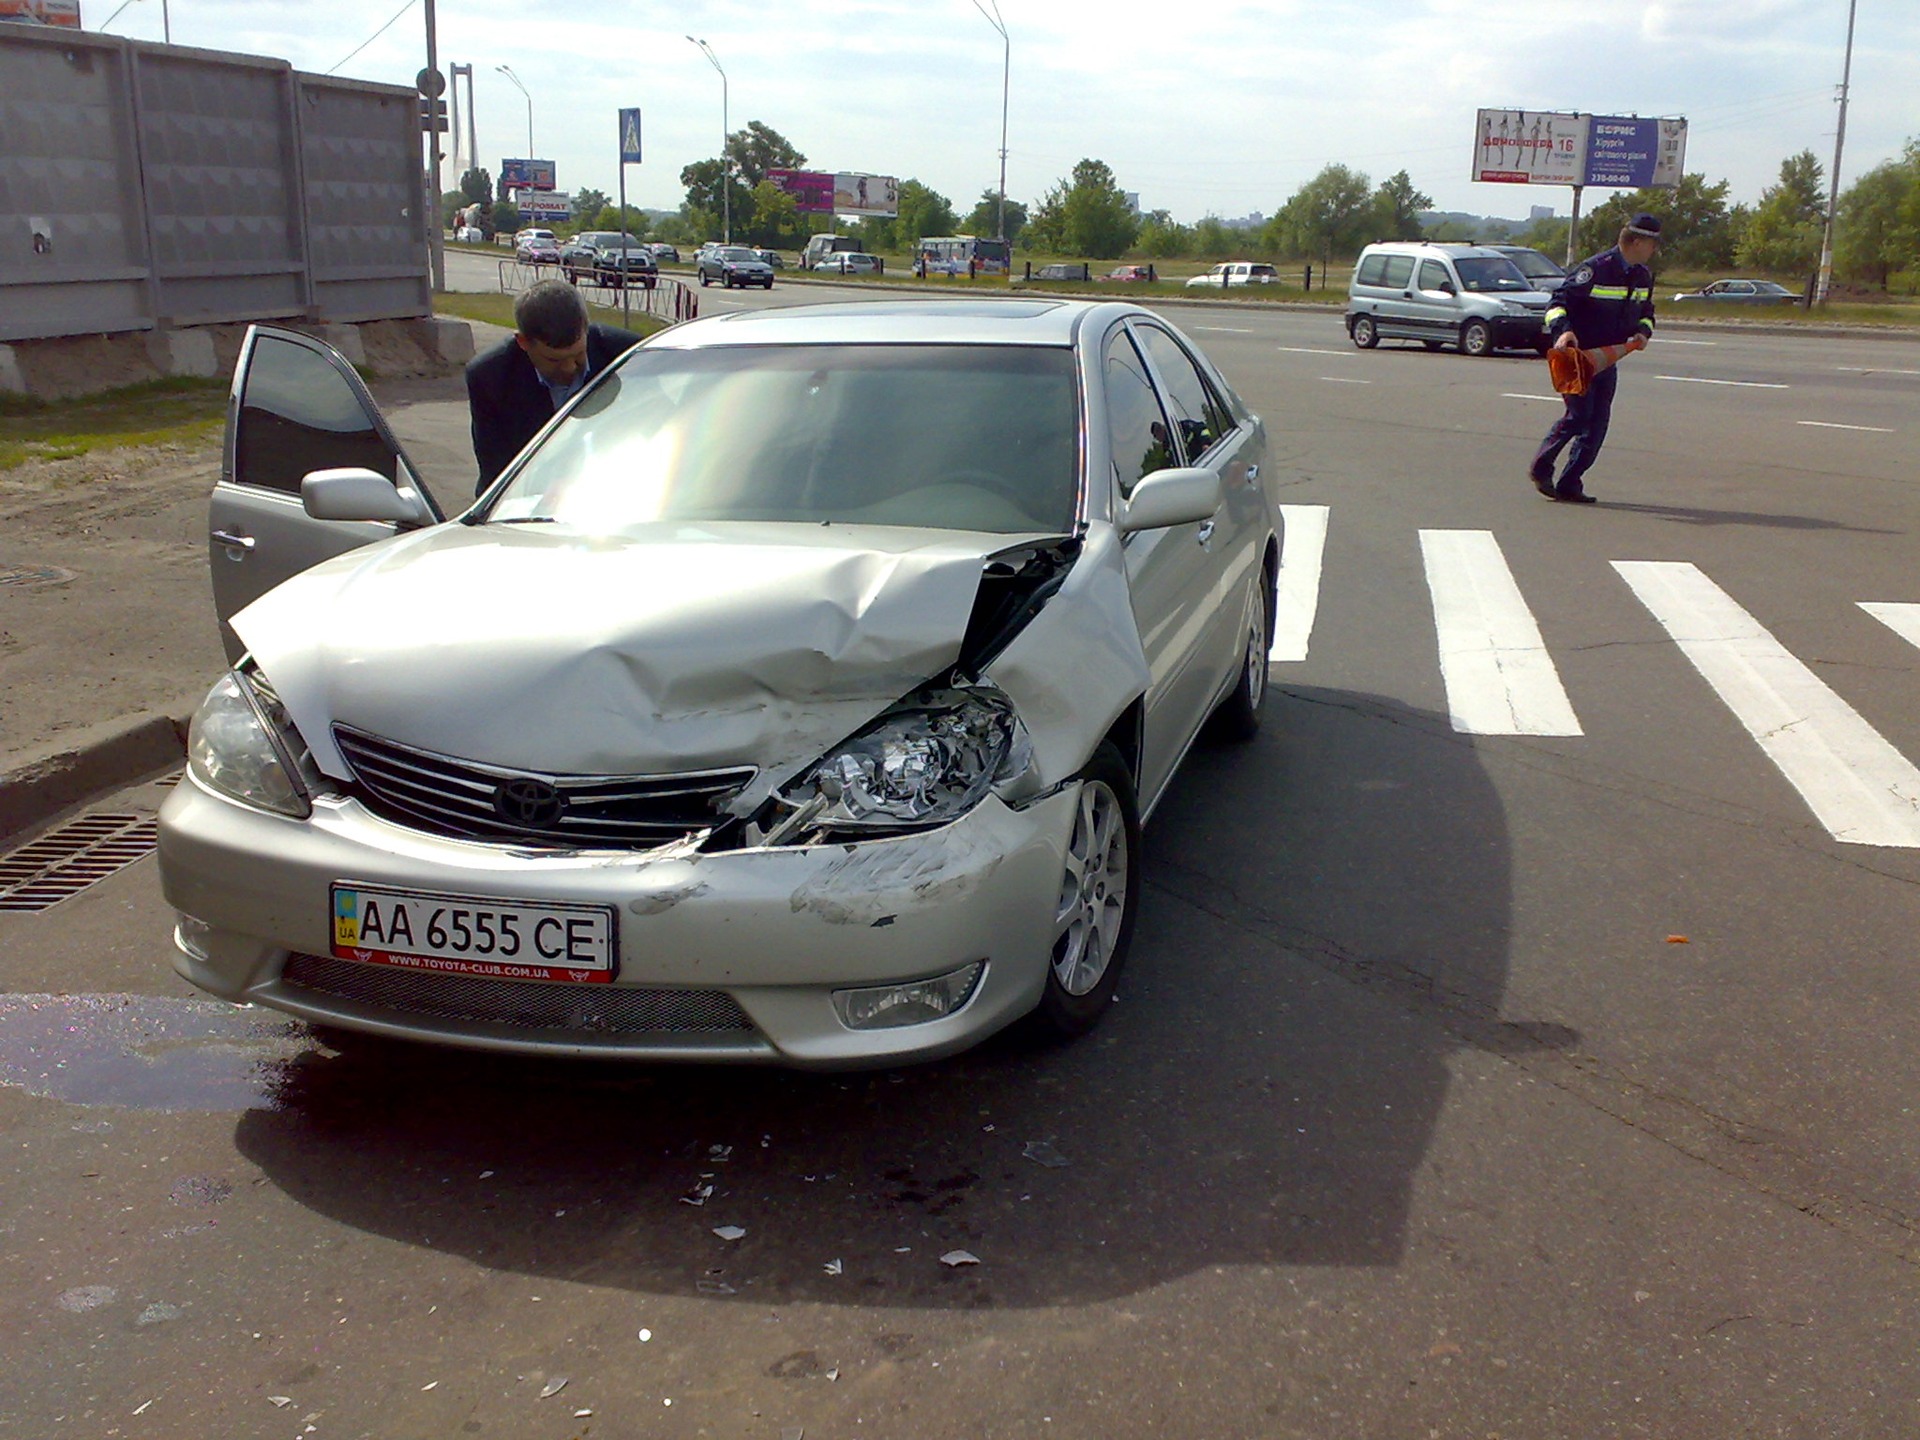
[(563, 1010), (471, 801)]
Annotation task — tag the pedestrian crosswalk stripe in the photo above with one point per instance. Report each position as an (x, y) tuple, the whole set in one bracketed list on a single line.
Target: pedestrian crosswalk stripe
[(1499, 678), (1902, 619), (1303, 541), (1858, 786)]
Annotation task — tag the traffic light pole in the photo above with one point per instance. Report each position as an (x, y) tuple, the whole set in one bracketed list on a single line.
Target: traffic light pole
[(436, 242)]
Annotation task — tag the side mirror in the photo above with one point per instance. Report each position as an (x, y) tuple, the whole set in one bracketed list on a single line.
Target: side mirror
[(1446, 288), (355, 493), (1166, 498)]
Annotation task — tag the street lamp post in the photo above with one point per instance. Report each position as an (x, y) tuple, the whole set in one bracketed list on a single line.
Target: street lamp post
[(1006, 74), (508, 72), (726, 167)]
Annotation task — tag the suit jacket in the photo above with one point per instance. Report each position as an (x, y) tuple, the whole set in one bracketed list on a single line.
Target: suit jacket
[(508, 402)]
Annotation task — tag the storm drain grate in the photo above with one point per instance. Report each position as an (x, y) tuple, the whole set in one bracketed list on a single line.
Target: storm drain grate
[(66, 861)]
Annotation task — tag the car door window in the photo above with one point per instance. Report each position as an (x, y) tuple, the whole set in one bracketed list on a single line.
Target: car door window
[(300, 412), (1433, 275), (1398, 272), (1200, 417), (1136, 425)]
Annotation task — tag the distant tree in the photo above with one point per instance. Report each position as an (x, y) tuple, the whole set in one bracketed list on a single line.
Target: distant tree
[(1327, 216), (590, 202), (1045, 230), (1877, 223), (704, 206), (608, 217), (1161, 238), (1696, 227), (776, 219), (676, 230), (1783, 233), (1213, 239), (760, 148), (505, 217), (923, 211), (1548, 235), (1396, 209), (984, 218), (477, 186), (1095, 218)]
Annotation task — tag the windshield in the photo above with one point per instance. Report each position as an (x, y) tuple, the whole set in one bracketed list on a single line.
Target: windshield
[(953, 437), (1490, 272), (1535, 266)]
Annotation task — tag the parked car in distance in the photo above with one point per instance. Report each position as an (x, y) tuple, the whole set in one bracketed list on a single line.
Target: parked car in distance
[(774, 258), (796, 697), (1062, 272), (608, 258), (1236, 272), (849, 262), (537, 250), (1130, 273), (663, 251), (1469, 296), (734, 265), (1742, 292), (1543, 272), (470, 235), (532, 232)]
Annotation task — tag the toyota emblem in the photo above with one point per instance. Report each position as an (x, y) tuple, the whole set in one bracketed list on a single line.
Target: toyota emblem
[(530, 804)]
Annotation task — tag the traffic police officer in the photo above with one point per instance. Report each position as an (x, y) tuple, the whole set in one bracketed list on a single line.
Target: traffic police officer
[(1607, 300)]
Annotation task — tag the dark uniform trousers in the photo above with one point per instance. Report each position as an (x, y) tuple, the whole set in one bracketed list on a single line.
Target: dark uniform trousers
[(1583, 425)]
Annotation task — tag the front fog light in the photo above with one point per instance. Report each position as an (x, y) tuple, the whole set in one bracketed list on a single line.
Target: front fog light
[(886, 1007), (192, 936)]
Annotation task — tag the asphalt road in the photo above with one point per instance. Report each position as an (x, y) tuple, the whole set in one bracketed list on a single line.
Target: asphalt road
[(1519, 1039)]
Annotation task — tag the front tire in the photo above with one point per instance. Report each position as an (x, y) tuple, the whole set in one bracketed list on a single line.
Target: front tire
[(1364, 333), (1099, 893), (703, 280), (1476, 339)]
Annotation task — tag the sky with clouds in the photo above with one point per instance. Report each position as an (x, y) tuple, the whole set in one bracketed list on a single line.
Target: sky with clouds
[(1226, 110)]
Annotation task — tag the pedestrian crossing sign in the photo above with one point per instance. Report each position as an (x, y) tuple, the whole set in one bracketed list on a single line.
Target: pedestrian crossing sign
[(630, 136)]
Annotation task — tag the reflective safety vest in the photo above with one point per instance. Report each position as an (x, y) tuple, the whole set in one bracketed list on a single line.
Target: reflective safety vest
[(1605, 301)]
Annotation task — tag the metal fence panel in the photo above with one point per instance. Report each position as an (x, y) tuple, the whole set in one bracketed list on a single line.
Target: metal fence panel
[(366, 200), (72, 239), (147, 184)]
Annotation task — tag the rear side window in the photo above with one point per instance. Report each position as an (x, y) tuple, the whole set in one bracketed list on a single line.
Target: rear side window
[(1198, 415), (1398, 272), (1373, 270)]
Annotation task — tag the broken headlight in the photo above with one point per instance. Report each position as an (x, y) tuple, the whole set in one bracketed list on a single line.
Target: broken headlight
[(243, 744), (927, 761)]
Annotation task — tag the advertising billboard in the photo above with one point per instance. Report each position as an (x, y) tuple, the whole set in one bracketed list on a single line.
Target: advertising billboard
[(1635, 154), (857, 194), (812, 190), (1540, 147), (527, 174), (544, 207), (1530, 147), (64, 13)]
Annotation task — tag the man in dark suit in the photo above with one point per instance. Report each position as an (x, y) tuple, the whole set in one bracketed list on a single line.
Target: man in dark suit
[(514, 388)]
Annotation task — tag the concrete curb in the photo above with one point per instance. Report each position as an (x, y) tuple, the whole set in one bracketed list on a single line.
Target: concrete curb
[(89, 763)]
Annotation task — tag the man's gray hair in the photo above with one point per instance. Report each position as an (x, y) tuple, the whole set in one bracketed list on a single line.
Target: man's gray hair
[(551, 312)]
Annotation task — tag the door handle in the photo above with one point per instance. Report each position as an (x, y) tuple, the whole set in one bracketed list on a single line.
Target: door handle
[(1206, 532), (232, 541), (1253, 474)]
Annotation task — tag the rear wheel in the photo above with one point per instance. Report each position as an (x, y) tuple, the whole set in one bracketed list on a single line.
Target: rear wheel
[(1238, 717), (1099, 888), (1363, 332), (1476, 338)]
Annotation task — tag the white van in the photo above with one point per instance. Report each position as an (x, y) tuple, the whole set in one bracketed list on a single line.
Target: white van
[(821, 246), (1465, 295)]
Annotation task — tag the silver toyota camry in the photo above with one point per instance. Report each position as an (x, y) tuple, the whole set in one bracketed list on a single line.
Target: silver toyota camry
[(796, 696)]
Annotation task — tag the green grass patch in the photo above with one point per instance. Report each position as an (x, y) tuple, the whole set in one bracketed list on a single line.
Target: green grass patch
[(153, 413), (498, 310)]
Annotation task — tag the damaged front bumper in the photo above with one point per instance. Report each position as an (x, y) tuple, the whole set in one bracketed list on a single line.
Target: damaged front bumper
[(720, 957)]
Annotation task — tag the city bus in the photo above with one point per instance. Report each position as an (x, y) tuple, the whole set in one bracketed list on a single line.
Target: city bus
[(962, 255)]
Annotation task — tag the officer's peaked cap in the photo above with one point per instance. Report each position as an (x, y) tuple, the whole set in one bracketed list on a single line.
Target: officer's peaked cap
[(1648, 225)]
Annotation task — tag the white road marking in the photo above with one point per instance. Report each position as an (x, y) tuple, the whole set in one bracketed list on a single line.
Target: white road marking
[(1515, 395), (1669, 340), (1297, 598), (1832, 425), (1500, 679), (1744, 384), (1902, 619), (1857, 785), (1303, 350), (1872, 370), (1221, 329), (1344, 380)]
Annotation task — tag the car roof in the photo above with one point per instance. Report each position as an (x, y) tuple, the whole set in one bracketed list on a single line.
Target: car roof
[(881, 322)]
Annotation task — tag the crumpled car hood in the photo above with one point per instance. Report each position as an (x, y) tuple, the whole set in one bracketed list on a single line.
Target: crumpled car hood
[(673, 648)]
